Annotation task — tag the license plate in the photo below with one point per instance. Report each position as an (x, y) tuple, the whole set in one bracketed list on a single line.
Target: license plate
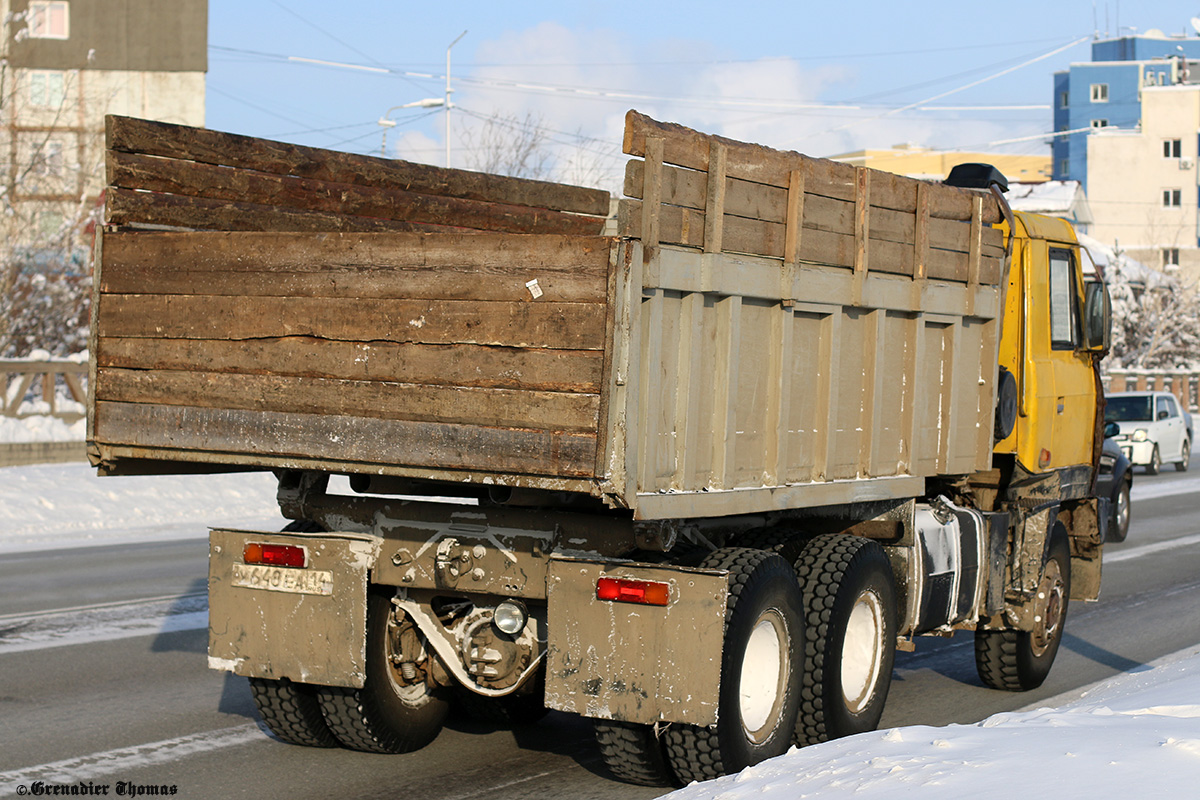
[(283, 579)]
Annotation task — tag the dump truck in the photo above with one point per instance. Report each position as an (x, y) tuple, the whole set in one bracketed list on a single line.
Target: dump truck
[(693, 463)]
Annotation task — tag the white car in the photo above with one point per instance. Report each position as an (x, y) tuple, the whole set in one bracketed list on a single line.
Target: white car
[(1154, 429)]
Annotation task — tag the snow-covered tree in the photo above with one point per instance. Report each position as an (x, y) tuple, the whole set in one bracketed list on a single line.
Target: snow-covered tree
[(1156, 317)]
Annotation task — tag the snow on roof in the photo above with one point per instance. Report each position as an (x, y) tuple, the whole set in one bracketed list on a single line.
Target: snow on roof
[(1048, 197), (1120, 265)]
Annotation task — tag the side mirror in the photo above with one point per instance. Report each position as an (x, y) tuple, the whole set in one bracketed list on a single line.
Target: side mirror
[(1111, 429), (1097, 318), (1164, 414)]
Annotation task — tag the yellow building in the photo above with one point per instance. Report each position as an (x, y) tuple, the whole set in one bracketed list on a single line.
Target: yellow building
[(924, 162)]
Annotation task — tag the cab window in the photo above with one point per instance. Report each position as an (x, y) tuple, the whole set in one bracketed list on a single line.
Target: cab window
[(1064, 312)]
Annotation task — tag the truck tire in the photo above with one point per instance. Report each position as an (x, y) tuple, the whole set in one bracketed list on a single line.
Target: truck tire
[(384, 716), (850, 632), (1017, 661), (761, 664), (291, 712), (1118, 526), (633, 753)]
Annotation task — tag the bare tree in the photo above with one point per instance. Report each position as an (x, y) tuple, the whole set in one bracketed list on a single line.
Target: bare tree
[(505, 144)]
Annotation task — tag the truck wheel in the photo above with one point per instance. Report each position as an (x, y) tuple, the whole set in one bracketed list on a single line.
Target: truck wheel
[(849, 597), (1155, 462), (1185, 457), (1118, 526), (761, 664), (633, 753), (291, 712), (385, 716), (1017, 661)]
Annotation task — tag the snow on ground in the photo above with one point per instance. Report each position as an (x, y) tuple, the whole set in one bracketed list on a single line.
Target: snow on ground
[(54, 506), (1136, 735)]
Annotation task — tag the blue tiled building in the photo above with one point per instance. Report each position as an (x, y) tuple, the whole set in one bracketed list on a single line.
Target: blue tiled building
[(1107, 91)]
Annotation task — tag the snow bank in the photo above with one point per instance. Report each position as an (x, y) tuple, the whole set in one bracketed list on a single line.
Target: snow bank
[(1135, 735)]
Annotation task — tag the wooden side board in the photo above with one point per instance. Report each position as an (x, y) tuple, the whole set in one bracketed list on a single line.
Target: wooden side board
[(703, 191), (161, 174), (425, 351)]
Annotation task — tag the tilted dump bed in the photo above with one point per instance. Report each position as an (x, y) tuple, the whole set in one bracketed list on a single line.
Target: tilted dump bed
[(766, 330)]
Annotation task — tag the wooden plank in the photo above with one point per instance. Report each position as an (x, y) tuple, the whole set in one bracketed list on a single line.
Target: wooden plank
[(319, 437), (682, 226), (564, 326), (687, 189), (434, 365), (497, 408), (483, 266), (127, 207), (231, 150), (688, 148), (714, 201), (793, 235), (188, 178)]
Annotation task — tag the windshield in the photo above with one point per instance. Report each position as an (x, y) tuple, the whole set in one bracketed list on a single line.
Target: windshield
[(1128, 409)]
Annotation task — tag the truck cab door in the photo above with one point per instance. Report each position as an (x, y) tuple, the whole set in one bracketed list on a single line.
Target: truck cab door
[(1064, 403)]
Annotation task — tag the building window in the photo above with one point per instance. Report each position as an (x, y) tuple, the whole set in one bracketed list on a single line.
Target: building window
[(49, 160), (1172, 198), (49, 19), (1064, 166), (1172, 148), (1162, 79), (1150, 80), (1099, 123), (1170, 256), (1063, 99), (1099, 92), (47, 89)]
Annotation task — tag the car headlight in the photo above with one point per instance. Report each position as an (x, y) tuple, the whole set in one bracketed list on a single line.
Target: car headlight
[(1106, 463), (1140, 435)]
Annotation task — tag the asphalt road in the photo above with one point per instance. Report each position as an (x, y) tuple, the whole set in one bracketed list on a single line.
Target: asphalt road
[(103, 679)]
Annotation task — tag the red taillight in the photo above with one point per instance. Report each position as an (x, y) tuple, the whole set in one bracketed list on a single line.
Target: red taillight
[(620, 590), (275, 555)]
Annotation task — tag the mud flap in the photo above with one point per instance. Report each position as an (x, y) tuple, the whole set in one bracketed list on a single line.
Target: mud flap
[(631, 662), (306, 624)]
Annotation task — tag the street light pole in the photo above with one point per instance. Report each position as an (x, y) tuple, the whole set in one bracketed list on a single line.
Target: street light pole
[(448, 92), (385, 123)]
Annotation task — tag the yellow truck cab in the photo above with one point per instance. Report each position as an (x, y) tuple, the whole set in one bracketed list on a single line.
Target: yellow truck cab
[(1050, 351)]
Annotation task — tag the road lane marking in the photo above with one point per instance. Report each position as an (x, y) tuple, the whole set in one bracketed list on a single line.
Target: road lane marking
[(102, 623), (1147, 549), (124, 759), (1147, 491)]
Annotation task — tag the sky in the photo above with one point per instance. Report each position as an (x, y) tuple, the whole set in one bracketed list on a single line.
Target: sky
[(822, 78)]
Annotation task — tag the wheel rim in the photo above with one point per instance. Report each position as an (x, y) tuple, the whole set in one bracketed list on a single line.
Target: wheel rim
[(1048, 609), (1187, 454), (1123, 508), (764, 670), (862, 652)]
